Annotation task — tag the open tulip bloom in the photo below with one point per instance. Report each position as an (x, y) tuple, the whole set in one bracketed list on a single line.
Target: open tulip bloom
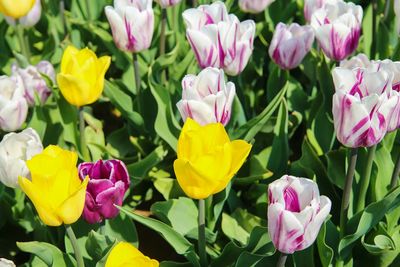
[(219, 39), (338, 28), (310, 6), (296, 212)]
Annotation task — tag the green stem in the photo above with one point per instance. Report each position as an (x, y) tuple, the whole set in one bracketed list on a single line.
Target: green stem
[(282, 260), (62, 13), (84, 149), (202, 234), (396, 172), (137, 81), (74, 242), (88, 10), (346, 191), (22, 41), (374, 14), (364, 183), (162, 39), (387, 9)]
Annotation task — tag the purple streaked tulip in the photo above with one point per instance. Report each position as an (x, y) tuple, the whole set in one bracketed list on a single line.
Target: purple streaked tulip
[(33, 82), (218, 39), (168, 3), (296, 212), (360, 105), (338, 28), (13, 106), (108, 182), (206, 98), (310, 6), (290, 44), (254, 6), (359, 61), (132, 24), (30, 19)]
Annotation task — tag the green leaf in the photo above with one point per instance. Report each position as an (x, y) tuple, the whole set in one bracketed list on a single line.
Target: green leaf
[(142, 167), (232, 229), (98, 245), (324, 250)]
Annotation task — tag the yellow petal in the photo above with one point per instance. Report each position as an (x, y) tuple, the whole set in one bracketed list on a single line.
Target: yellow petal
[(77, 92), (69, 53), (124, 254), (241, 150), (72, 208), (39, 199), (16, 8)]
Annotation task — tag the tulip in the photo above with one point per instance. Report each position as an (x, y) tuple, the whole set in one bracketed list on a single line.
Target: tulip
[(30, 19), (254, 6), (15, 150), (124, 254), (218, 39), (359, 61), (168, 3), (34, 83), (108, 182), (360, 104), (55, 190), (296, 212), (310, 6), (13, 106), (397, 13), (132, 24), (81, 79), (290, 44), (338, 28), (206, 98), (6, 263), (16, 8), (207, 159)]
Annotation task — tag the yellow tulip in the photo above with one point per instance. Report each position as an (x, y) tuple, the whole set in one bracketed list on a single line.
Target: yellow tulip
[(81, 79), (56, 190), (16, 8), (124, 255), (207, 159)]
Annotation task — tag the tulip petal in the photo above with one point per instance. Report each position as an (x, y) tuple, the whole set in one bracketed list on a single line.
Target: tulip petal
[(76, 91), (240, 151)]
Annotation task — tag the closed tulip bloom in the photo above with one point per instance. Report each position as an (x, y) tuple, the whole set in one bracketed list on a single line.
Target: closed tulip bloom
[(296, 212), (13, 106), (218, 39), (108, 182), (81, 79), (206, 98), (359, 61), (16, 8), (30, 19), (34, 83), (338, 28), (360, 104), (15, 150), (290, 44), (168, 3), (125, 254), (132, 24), (310, 6), (55, 189), (207, 159), (254, 6), (6, 263)]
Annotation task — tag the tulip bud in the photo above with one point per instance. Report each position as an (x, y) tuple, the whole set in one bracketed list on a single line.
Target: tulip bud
[(206, 98), (218, 39), (254, 6), (16, 8), (207, 159), (13, 106), (310, 6), (132, 24), (30, 19), (108, 182), (359, 61), (6, 263), (360, 104), (291, 44), (81, 79), (124, 254), (34, 83), (296, 212), (338, 28), (397, 13), (15, 150), (168, 3)]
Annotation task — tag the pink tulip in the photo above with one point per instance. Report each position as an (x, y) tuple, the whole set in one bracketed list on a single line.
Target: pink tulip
[(254, 6), (359, 61), (290, 44), (310, 6), (296, 212)]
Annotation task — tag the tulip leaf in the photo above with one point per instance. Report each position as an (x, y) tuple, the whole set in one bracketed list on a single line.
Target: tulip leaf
[(98, 245), (48, 253), (324, 250), (232, 229), (142, 167), (181, 245)]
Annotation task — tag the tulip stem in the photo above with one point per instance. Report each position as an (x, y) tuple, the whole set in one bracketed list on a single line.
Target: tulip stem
[(74, 242), (396, 172), (202, 234), (347, 190), (84, 149), (62, 13), (374, 14), (137, 81), (364, 182), (88, 13), (162, 38), (22, 41), (282, 260)]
